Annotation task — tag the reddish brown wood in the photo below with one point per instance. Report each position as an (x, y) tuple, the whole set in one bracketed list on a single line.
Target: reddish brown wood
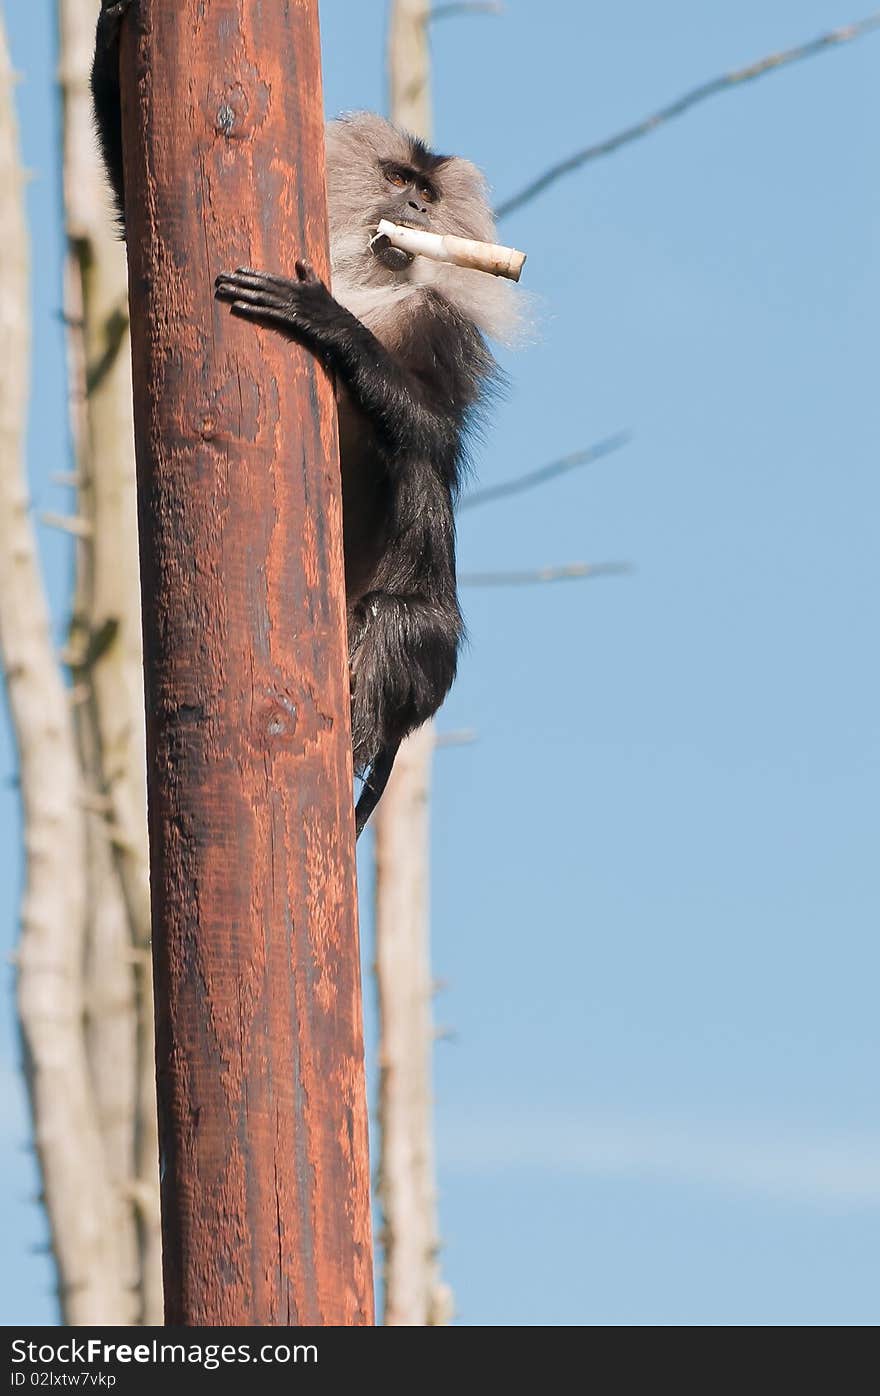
[(263, 1127)]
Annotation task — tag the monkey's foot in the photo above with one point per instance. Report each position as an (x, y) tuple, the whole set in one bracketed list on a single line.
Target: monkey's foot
[(294, 307)]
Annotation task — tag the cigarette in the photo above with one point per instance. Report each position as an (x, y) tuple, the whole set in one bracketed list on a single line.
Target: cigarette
[(461, 252)]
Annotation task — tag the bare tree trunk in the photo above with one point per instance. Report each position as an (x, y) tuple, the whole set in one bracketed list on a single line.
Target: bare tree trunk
[(105, 654), (409, 66), (50, 960), (414, 1294)]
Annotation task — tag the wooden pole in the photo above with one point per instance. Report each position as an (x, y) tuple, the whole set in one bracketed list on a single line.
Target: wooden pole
[(262, 1109)]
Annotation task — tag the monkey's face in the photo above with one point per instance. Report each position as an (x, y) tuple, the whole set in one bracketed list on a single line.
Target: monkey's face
[(374, 171), (408, 196)]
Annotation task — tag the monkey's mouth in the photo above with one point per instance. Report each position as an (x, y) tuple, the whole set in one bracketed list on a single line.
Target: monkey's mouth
[(394, 258)]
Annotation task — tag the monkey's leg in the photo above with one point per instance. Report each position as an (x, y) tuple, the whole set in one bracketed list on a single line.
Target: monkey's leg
[(105, 92)]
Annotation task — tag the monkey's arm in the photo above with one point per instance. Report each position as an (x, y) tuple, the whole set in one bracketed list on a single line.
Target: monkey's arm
[(409, 418), (106, 96)]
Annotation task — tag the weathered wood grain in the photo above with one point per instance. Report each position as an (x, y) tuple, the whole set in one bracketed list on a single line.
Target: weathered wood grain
[(263, 1126)]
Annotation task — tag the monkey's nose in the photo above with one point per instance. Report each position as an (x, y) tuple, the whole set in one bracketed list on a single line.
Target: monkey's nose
[(419, 208)]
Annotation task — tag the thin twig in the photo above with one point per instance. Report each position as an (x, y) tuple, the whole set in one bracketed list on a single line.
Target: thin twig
[(569, 571), (543, 473), (462, 736), (771, 63), (69, 523), (466, 7)]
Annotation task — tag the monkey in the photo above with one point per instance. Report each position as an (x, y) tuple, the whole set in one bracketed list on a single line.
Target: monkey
[(406, 341)]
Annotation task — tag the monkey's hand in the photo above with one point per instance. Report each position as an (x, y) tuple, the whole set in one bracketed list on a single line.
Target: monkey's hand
[(392, 398), (303, 309)]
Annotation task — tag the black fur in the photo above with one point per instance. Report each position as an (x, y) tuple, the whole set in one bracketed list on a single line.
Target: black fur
[(425, 159), (106, 96), (404, 410)]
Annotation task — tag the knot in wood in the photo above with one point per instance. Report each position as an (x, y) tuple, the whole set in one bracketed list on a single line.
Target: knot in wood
[(278, 717), (225, 119)]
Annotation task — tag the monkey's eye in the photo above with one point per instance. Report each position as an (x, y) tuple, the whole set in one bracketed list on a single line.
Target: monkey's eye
[(396, 178), (428, 193)]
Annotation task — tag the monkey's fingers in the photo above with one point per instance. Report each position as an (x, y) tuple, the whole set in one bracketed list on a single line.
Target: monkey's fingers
[(245, 282), (246, 276), (273, 318), (273, 300), (304, 270)]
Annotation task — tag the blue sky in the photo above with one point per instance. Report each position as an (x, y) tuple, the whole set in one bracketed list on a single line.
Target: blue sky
[(655, 871)]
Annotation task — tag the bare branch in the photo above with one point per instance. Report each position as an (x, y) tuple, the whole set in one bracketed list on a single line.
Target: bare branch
[(69, 523), (569, 571), (461, 736), (543, 473), (466, 7), (771, 63)]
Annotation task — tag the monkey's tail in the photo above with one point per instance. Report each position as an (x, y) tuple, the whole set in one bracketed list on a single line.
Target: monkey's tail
[(374, 786)]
